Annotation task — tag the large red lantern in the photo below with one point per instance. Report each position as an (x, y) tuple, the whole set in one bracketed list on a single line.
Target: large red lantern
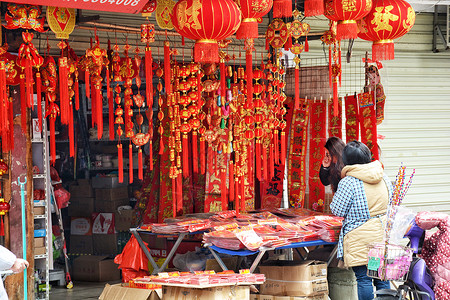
[(206, 21), (346, 13), (388, 20), (251, 11)]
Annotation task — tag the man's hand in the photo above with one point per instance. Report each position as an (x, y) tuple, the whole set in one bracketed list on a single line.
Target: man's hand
[(19, 265)]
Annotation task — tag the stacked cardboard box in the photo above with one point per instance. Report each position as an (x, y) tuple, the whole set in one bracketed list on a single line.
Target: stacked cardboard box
[(294, 280), (81, 242)]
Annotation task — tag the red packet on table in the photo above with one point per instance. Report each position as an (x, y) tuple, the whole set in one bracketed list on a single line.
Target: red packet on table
[(249, 238), (200, 227), (227, 214)]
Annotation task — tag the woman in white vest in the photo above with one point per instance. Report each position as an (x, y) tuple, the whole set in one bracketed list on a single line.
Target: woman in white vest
[(362, 198)]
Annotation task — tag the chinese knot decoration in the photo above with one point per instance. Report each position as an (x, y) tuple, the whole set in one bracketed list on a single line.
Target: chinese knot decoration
[(207, 22), (388, 20), (345, 13), (61, 21)]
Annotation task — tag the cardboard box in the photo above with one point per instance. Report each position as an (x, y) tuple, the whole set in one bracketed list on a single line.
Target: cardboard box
[(123, 219), (81, 189), (95, 268), (105, 244), (119, 292), (81, 245), (216, 293), (316, 297), (111, 194), (292, 278), (39, 242), (81, 207), (81, 226), (266, 297), (39, 210), (103, 206), (39, 250), (103, 223), (108, 182)]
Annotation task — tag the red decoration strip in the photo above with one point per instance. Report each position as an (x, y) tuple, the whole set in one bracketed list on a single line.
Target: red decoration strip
[(223, 189), (63, 90), (94, 107), (174, 198), (335, 122), (368, 122), (110, 97), (149, 76), (52, 141), (130, 163), (297, 155), (77, 94), (297, 86), (71, 132), (352, 119), (185, 151), (140, 165), (39, 98), (202, 155), (258, 159), (265, 167), (150, 155), (11, 125), (283, 148), (87, 83), (29, 83), (316, 153), (179, 197), (271, 162), (99, 108), (23, 103), (276, 145), (167, 73), (249, 73), (195, 151), (223, 87), (335, 98), (231, 180)]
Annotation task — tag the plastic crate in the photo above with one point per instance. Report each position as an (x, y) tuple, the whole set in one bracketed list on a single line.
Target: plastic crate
[(389, 262)]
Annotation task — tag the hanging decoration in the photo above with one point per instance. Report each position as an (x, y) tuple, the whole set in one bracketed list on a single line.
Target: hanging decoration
[(282, 8), (316, 153), (4, 208), (335, 122), (61, 21), (252, 10), (277, 34), (298, 29), (368, 122), (164, 10), (346, 13), (297, 155), (25, 17), (118, 120), (313, 7), (334, 62), (351, 119), (193, 19), (149, 8), (374, 84), (386, 21)]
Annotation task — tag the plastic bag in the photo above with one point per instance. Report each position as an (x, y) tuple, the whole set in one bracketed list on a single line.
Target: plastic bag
[(54, 175), (132, 256), (402, 222), (192, 261), (129, 274), (62, 196)]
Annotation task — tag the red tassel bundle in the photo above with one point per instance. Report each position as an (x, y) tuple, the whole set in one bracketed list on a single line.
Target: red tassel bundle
[(179, 205), (77, 94), (64, 90), (120, 162), (39, 98), (94, 107), (282, 8), (110, 97), (23, 104), (271, 163), (249, 73), (174, 198), (265, 170), (71, 132), (236, 195), (194, 152), (276, 147), (258, 159), (11, 125), (314, 8), (297, 87), (202, 155), (330, 75), (223, 87), (52, 140), (283, 148), (185, 150), (149, 76), (29, 83), (130, 163), (231, 181), (335, 98), (306, 44), (223, 189), (167, 73), (99, 107), (140, 165), (150, 155), (347, 29), (383, 50), (87, 83)]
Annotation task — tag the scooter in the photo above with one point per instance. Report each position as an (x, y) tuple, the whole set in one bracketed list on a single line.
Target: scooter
[(418, 284)]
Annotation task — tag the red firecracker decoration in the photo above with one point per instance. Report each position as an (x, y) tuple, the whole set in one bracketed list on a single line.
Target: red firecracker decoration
[(207, 22), (388, 20), (252, 10), (346, 13)]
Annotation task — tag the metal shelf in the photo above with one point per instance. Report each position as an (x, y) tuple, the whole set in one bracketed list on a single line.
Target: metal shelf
[(37, 140), (39, 176), (40, 217), (41, 256)]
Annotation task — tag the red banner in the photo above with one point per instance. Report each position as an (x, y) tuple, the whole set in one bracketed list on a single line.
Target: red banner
[(297, 155), (335, 122), (368, 123), (317, 140), (272, 190), (351, 116), (122, 6), (165, 193)]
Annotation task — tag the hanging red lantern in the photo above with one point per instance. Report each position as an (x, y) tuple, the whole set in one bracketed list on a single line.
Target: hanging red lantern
[(282, 8), (346, 13), (3, 167), (4, 208), (206, 21), (252, 10), (388, 20)]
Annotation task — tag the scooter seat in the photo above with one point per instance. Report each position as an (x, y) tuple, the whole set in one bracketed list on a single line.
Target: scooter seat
[(419, 275)]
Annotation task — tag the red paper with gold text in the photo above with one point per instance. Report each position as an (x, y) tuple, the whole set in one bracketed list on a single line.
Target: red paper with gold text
[(368, 123), (297, 155), (271, 191), (165, 195), (335, 122), (352, 119), (317, 141)]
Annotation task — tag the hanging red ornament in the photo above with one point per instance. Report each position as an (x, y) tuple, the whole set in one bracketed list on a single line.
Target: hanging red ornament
[(252, 10), (346, 13), (388, 20), (193, 19), (4, 208), (282, 8), (314, 8)]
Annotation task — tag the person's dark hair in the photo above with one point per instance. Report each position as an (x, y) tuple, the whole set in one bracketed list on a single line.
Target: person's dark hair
[(356, 153), (335, 146)]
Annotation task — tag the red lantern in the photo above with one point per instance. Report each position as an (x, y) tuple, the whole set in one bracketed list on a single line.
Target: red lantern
[(346, 13), (4, 208), (251, 11), (3, 167), (206, 21), (388, 20)]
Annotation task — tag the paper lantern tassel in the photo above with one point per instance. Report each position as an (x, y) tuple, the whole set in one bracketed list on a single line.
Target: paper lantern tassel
[(258, 159), (314, 8), (202, 155), (52, 141), (77, 94), (130, 164), (231, 181), (149, 76), (99, 109), (297, 88), (140, 165), (282, 8), (283, 147), (265, 167), (120, 161), (71, 132), (185, 151), (23, 104), (383, 51), (195, 151), (346, 30), (249, 73), (2, 226)]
